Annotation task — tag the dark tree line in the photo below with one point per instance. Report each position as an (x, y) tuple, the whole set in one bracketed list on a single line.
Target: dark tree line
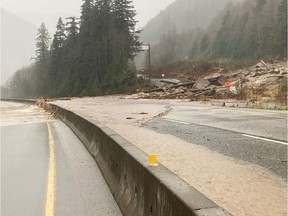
[(244, 32), (92, 55)]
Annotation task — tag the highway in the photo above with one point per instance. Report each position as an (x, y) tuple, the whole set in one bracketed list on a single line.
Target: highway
[(235, 156), (256, 136), (46, 170), (250, 135)]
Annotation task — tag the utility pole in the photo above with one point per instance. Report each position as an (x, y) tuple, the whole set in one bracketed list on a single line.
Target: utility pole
[(149, 65), (148, 47)]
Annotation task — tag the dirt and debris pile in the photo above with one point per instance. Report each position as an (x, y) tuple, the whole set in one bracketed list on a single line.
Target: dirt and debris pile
[(263, 81)]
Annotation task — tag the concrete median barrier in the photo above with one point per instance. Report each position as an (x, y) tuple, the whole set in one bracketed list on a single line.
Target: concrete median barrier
[(138, 188), (25, 101)]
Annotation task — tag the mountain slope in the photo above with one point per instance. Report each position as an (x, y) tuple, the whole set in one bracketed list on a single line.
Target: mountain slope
[(183, 15), (252, 30), (17, 43)]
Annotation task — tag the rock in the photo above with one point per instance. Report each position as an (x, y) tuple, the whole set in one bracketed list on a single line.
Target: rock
[(256, 74), (260, 69), (201, 84), (179, 90), (217, 80), (257, 79), (274, 71)]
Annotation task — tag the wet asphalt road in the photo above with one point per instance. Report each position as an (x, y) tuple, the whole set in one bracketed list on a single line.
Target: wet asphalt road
[(79, 187), (255, 136)]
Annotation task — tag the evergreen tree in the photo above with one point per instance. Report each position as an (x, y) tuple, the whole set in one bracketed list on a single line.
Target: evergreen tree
[(42, 57), (239, 46), (86, 19), (42, 43), (260, 4), (59, 36), (56, 60), (104, 30), (88, 58), (282, 29), (221, 43), (125, 37), (72, 28), (85, 40), (204, 43)]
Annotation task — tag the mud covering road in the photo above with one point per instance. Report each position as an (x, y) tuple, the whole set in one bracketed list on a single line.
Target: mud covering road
[(240, 186)]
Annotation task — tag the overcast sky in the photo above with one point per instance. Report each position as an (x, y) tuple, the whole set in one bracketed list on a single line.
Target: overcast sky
[(146, 9)]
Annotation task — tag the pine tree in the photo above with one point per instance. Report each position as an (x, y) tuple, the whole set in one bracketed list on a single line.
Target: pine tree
[(59, 36), (221, 42), (90, 57), (124, 36), (86, 18), (72, 28), (56, 60), (124, 23), (42, 43), (204, 43), (239, 46), (85, 40), (282, 29), (260, 4)]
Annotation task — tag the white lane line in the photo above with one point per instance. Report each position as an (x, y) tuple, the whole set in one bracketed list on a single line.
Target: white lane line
[(269, 140), (177, 121)]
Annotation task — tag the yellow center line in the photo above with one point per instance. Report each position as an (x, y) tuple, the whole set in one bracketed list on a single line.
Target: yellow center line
[(49, 208)]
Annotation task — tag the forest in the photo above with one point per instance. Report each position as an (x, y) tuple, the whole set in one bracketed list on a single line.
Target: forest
[(92, 55), (241, 33), (95, 55)]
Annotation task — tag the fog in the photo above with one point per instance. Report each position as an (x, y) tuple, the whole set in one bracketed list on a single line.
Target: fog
[(34, 12), (146, 9)]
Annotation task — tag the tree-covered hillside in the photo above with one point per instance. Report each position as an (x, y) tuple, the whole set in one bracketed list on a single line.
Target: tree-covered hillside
[(242, 32), (88, 56), (182, 15), (249, 31), (183, 18)]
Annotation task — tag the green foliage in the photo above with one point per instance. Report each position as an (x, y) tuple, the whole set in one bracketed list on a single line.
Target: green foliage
[(59, 36), (42, 43), (246, 32), (281, 37), (251, 30), (176, 46), (90, 57)]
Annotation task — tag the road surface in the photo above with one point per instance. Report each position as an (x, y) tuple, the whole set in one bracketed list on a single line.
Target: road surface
[(242, 183), (256, 136), (251, 135), (46, 170)]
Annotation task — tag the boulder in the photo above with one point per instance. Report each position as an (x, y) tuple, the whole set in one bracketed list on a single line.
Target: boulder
[(201, 84), (218, 80)]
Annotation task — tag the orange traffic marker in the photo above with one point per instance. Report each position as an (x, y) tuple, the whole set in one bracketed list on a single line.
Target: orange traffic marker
[(228, 84)]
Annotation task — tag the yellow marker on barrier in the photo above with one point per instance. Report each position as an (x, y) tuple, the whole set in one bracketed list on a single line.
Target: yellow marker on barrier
[(152, 160)]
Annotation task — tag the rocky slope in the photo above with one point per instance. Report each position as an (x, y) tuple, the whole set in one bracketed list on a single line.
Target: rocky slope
[(263, 82)]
